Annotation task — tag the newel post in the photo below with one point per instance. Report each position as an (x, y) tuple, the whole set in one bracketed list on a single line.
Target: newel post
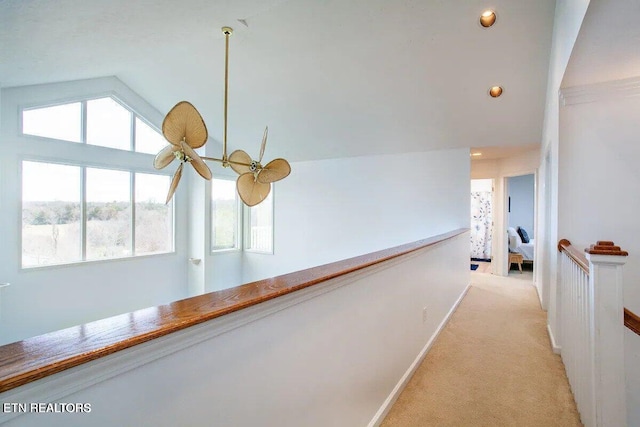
[(605, 280)]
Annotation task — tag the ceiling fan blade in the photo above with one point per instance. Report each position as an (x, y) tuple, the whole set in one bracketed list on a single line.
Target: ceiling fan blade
[(251, 191), (264, 143), (184, 122), (197, 163), (174, 182), (274, 171), (164, 157), (240, 157)]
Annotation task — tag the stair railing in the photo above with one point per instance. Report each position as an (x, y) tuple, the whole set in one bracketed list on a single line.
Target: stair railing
[(591, 324)]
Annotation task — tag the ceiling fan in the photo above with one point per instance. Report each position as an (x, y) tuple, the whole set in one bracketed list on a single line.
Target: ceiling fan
[(185, 130)]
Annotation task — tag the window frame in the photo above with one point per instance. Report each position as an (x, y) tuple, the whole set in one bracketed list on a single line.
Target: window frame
[(83, 213), (83, 121), (247, 227), (239, 220), (35, 148)]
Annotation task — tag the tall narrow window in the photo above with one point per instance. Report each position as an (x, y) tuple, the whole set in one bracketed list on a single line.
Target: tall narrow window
[(108, 214), (58, 122), (224, 215), (50, 214), (154, 218), (259, 226)]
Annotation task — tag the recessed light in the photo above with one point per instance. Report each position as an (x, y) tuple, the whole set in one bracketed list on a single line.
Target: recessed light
[(476, 154), (495, 91), (488, 18)]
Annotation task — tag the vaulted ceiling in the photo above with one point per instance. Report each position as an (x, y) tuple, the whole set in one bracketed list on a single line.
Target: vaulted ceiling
[(608, 46), (331, 78)]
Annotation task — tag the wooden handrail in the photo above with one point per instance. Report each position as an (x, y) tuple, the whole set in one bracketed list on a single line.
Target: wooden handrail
[(632, 321), (31, 359), (573, 253)]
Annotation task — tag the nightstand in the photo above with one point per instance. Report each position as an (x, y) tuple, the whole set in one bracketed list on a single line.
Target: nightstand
[(517, 258)]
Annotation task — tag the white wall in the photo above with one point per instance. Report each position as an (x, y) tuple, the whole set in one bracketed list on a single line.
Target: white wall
[(522, 197), (566, 26), (46, 299), (632, 374), (329, 359), (334, 209), (598, 194), (481, 185), (3, 280)]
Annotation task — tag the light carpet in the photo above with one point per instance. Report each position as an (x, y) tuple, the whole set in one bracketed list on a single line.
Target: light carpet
[(492, 365)]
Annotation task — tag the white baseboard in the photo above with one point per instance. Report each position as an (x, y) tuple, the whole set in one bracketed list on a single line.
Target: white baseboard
[(554, 344), (395, 393), (537, 288)]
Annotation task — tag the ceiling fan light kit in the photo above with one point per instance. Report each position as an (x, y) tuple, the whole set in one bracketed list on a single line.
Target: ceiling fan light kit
[(185, 130)]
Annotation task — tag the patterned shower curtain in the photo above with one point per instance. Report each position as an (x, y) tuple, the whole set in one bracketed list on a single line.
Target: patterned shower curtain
[(481, 224)]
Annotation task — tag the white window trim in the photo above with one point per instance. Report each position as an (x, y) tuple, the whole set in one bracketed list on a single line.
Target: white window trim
[(83, 121), (83, 222), (52, 94)]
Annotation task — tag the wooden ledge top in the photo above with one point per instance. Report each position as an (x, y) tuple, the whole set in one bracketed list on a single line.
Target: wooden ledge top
[(33, 358)]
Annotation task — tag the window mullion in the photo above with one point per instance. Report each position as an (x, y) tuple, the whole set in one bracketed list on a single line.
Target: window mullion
[(132, 193), (240, 225), (83, 212), (83, 187), (246, 220), (132, 198), (132, 135), (83, 123)]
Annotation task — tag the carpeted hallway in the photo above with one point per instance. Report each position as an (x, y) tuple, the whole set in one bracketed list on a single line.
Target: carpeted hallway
[(492, 365)]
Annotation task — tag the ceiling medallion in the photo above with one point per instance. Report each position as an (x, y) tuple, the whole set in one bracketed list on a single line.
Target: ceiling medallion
[(185, 130)]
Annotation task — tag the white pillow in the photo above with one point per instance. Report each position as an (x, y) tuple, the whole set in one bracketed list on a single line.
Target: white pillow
[(514, 239)]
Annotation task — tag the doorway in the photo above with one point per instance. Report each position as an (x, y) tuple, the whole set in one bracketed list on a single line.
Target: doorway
[(520, 219), (481, 224)]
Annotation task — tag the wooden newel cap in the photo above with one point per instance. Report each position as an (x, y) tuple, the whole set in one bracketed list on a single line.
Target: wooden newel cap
[(563, 244), (606, 247)]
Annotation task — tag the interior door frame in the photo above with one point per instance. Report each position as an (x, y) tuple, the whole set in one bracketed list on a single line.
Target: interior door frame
[(501, 234), (493, 210)]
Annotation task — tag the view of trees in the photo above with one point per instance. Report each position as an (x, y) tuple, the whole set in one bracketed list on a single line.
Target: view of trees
[(224, 224), (51, 231)]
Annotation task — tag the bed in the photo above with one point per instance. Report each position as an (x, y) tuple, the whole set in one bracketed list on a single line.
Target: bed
[(518, 247)]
